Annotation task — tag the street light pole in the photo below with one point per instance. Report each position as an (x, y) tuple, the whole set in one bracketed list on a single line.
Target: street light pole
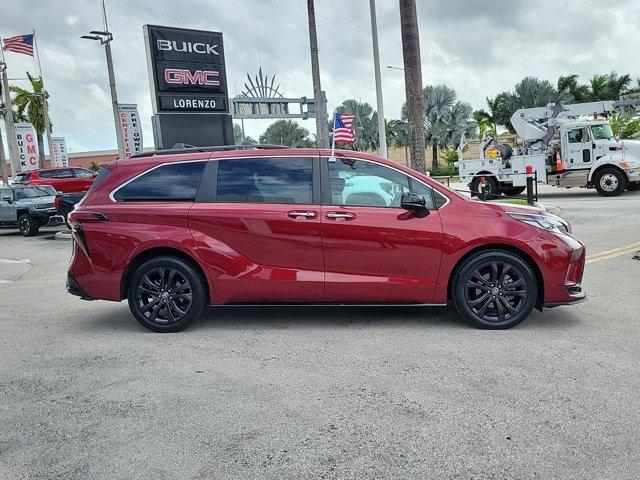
[(382, 151), (322, 132), (105, 38)]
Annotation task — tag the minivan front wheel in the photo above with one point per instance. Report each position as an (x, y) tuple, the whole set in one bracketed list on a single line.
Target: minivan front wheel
[(166, 294), (495, 289)]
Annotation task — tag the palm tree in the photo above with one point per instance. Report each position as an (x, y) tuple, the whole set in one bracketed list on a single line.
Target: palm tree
[(413, 82), (286, 132), (240, 138), (397, 133), (365, 124), (609, 86), (488, 120), (445, 118), (30, 105), (528, 93), (568, 85)]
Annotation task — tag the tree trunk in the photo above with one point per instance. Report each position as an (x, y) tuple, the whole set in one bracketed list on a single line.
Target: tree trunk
[(434, 156), (41, 150), (413, 83)]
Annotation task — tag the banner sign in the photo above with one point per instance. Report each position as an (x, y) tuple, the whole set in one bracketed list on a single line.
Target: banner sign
[(131, 129), (186, 70), (27, 141), (60, 153)]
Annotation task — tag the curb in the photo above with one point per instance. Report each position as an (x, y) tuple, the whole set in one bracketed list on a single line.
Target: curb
[(62, 236)]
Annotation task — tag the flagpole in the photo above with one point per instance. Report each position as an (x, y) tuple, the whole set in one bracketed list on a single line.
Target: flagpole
[(8, 118), (47, 120), (333, 137)]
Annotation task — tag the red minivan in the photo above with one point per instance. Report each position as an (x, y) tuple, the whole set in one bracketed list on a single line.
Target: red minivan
[(64, 180), (175, 231)]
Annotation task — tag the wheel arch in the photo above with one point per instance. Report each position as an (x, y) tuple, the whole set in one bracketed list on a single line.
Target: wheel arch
[(594, 171), (524, 256), (153, 252)]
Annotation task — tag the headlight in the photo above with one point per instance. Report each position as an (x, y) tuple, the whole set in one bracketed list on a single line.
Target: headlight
[(549, 222)]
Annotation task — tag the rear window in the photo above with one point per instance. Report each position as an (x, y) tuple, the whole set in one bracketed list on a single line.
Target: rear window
[(102, 175), (265, 180), (21, 177), (173, 182)]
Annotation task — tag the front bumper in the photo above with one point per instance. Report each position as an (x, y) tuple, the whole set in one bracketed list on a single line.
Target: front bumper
[(633, 174)]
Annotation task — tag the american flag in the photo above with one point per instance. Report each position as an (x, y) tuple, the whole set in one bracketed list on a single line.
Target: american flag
[(343, 128), (19, 44)]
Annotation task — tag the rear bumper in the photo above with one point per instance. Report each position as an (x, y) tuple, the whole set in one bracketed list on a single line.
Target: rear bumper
[(74, 288)]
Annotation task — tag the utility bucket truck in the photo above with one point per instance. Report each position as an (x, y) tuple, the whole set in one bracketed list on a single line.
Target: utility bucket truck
[(565, 146)]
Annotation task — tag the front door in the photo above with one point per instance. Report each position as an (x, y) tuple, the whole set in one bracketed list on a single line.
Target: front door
[(259, 229), (580, 149), (375, 251), (8, 209)]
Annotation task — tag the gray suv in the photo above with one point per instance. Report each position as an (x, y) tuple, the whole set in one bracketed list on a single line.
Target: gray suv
[(28, 208)]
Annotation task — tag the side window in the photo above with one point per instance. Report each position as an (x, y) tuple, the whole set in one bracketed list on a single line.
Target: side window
[(575, 135), (46, 174), (5, 195), (80, 173), (265, 180), (173, 182), (64, 173)]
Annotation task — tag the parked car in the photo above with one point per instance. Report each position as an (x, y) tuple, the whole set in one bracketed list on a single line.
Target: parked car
[(66, 202), (174, 231), (65, 180), (28, 208)]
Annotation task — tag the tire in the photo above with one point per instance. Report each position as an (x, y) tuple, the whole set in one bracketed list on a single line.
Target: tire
[(482, 286), (633, 186), (28, 225), (511, 191), (492, 189), (157, 306), (610, 182)]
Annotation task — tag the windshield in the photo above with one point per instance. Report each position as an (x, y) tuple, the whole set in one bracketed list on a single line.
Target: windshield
[(602, 132), (30, 192)]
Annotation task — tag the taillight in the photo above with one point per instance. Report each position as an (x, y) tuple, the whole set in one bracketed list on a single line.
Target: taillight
[(84, 216), (56, 203)]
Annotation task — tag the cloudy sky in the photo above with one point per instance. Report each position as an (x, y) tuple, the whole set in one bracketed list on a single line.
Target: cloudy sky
[(478, 47)]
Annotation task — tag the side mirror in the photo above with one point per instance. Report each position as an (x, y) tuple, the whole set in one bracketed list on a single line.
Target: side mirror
[(415, 203)]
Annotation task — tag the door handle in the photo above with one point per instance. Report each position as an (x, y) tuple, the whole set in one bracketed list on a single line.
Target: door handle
[(301, 215), (340, 215)]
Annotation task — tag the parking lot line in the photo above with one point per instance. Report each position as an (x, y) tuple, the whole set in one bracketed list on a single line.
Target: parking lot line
[(613, 253)]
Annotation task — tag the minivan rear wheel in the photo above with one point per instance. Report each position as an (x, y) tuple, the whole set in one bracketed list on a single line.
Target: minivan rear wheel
[(494, 289), (166, 294)]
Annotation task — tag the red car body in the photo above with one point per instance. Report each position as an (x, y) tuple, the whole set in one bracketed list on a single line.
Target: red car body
[(282, 253), (64, 179)]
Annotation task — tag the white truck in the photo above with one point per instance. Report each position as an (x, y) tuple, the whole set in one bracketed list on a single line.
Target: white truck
[(564, 147)]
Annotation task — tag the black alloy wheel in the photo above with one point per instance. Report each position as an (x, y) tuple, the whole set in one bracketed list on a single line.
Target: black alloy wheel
[(495, 289), (166, 294)]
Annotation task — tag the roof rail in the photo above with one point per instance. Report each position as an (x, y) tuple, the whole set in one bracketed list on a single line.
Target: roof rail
[(180, 148)]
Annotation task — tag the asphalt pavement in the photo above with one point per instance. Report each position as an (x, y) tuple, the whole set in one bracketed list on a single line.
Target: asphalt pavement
[(324, 392)]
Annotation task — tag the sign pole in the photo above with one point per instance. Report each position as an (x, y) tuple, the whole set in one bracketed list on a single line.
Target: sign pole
[(47, 120), (8, 118)]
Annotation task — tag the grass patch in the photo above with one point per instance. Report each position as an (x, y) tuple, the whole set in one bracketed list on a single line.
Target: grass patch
[(512, 201)]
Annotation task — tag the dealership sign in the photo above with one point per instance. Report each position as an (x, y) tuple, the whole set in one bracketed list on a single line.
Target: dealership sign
[(186, 70), (131, 129), (27, 141), (60, 153)]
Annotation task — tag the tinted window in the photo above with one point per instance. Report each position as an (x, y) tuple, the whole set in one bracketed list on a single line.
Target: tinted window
[(265, 180), (46, 174), (102, 174), (362, 183), (83, 173), (64, 173), (172, 182)]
